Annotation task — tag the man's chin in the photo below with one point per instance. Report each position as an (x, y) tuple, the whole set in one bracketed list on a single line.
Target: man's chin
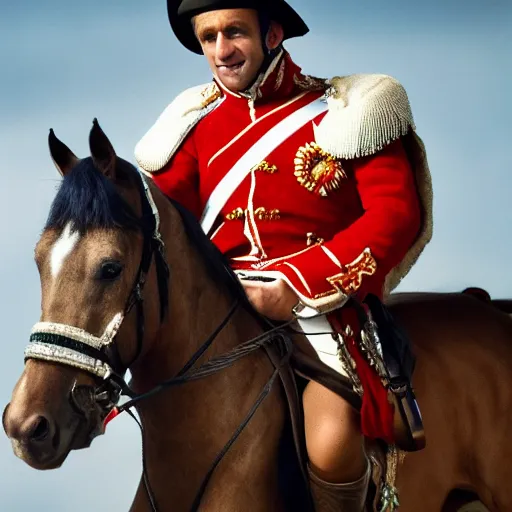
[(233, 83)]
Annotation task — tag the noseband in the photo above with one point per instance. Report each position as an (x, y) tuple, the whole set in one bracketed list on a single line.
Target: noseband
[(99, 356)]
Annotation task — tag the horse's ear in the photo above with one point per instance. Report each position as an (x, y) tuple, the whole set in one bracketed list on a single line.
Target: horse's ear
[(102, 152), (63, 158)]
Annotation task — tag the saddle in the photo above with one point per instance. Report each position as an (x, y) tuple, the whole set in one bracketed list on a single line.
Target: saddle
[(399, 362)]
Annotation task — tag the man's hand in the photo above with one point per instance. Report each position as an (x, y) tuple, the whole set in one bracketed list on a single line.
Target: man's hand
[(274, 300)]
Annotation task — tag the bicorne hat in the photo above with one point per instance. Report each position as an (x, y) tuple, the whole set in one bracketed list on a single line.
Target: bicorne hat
[(181, 13)]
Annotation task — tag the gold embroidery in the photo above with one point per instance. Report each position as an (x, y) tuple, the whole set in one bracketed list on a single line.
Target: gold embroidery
[(236, 214), (280, 75), (350, 279), (262, 214), (210, 93), (265, 167), (317, 170), (309, 83), (324, 294)]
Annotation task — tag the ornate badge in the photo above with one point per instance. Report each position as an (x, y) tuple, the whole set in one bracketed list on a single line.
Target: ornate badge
[(210, 93), (317, 170)]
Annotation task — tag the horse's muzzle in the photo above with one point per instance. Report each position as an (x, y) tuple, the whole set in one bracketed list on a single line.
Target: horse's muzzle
[(34, 437)]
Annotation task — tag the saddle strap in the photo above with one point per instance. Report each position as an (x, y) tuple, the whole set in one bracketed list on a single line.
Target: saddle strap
[(296, 413), (396, 346)]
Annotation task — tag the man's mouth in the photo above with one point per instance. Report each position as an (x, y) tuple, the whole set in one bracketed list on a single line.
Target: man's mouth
[(231, 67)]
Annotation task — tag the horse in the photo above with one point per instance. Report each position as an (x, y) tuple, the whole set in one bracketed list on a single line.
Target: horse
[(130, 281)]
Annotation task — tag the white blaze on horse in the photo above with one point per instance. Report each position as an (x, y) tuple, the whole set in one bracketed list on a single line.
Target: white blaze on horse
[(206, 366)]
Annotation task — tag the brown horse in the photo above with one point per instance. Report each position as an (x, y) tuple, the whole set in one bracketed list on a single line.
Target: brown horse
[(100, 253)]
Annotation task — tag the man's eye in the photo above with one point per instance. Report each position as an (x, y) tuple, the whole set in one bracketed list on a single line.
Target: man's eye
[(233, 32)]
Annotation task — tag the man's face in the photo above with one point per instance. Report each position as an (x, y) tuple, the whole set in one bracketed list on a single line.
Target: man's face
[(231, 42)]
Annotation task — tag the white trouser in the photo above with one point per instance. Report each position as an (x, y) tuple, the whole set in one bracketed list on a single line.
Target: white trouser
[(323, 343)]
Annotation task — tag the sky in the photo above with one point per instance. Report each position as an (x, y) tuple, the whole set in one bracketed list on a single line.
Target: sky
[(64, 63)]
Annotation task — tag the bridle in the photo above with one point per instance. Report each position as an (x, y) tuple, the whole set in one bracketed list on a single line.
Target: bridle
[(99, 356)]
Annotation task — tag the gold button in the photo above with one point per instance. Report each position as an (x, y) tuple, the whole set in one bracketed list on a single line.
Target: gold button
[(262, 213), (266, 167), (236, 214)]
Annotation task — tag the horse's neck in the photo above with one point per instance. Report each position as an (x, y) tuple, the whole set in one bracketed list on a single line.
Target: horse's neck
[(186, 427)]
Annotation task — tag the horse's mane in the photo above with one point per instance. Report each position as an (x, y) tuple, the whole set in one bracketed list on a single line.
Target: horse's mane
[(89, 200), (216, 263)]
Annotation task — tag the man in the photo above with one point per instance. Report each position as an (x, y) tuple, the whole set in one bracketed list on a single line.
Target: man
[(320, 185)]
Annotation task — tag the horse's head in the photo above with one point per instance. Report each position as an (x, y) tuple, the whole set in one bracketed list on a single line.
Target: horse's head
[(92, 257)]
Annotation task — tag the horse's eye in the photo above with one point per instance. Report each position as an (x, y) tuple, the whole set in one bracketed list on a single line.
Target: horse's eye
[(110, 270)]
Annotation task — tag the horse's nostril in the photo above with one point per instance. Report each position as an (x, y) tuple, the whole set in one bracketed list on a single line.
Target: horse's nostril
[(40, 429)]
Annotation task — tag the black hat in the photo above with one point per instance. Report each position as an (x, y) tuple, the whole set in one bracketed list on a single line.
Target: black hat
[(182, 11)]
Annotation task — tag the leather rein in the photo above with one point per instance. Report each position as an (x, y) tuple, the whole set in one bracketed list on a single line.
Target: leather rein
[(100, 356)]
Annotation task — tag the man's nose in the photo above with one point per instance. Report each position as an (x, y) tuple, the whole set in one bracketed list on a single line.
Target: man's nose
[(224, 47)]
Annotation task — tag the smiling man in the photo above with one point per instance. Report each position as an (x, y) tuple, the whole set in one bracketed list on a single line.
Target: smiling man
[(316, 189), (235, 64)]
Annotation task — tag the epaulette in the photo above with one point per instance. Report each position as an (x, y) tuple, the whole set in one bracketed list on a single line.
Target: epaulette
[(366, 113), (158, 145)]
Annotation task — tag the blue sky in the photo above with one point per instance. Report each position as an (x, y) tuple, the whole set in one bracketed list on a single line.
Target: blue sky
[(64, 63)]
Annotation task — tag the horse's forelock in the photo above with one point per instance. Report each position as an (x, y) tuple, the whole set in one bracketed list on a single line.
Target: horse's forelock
[(87, 200)]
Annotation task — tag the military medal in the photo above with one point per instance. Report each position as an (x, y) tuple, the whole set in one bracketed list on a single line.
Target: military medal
[(316, 170)]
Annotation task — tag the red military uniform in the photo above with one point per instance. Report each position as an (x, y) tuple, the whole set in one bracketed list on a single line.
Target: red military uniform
[(333, 214)]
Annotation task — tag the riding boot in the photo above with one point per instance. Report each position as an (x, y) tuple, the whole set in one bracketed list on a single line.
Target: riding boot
[(346, 497)]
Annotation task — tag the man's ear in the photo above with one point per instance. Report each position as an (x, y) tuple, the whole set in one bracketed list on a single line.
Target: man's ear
[(275, 35)]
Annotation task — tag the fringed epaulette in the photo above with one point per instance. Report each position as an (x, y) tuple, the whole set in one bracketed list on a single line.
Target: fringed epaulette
[(366, 113), (163, 139)]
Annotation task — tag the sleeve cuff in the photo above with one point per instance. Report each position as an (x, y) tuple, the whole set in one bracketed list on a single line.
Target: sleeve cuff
[(320, 280)]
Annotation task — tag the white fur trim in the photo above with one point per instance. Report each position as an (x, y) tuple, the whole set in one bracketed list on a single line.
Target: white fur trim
[(366, 113), (418, 160), (159, 144)]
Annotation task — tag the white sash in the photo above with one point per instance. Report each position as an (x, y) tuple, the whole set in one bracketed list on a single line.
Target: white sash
[(258, 152)]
